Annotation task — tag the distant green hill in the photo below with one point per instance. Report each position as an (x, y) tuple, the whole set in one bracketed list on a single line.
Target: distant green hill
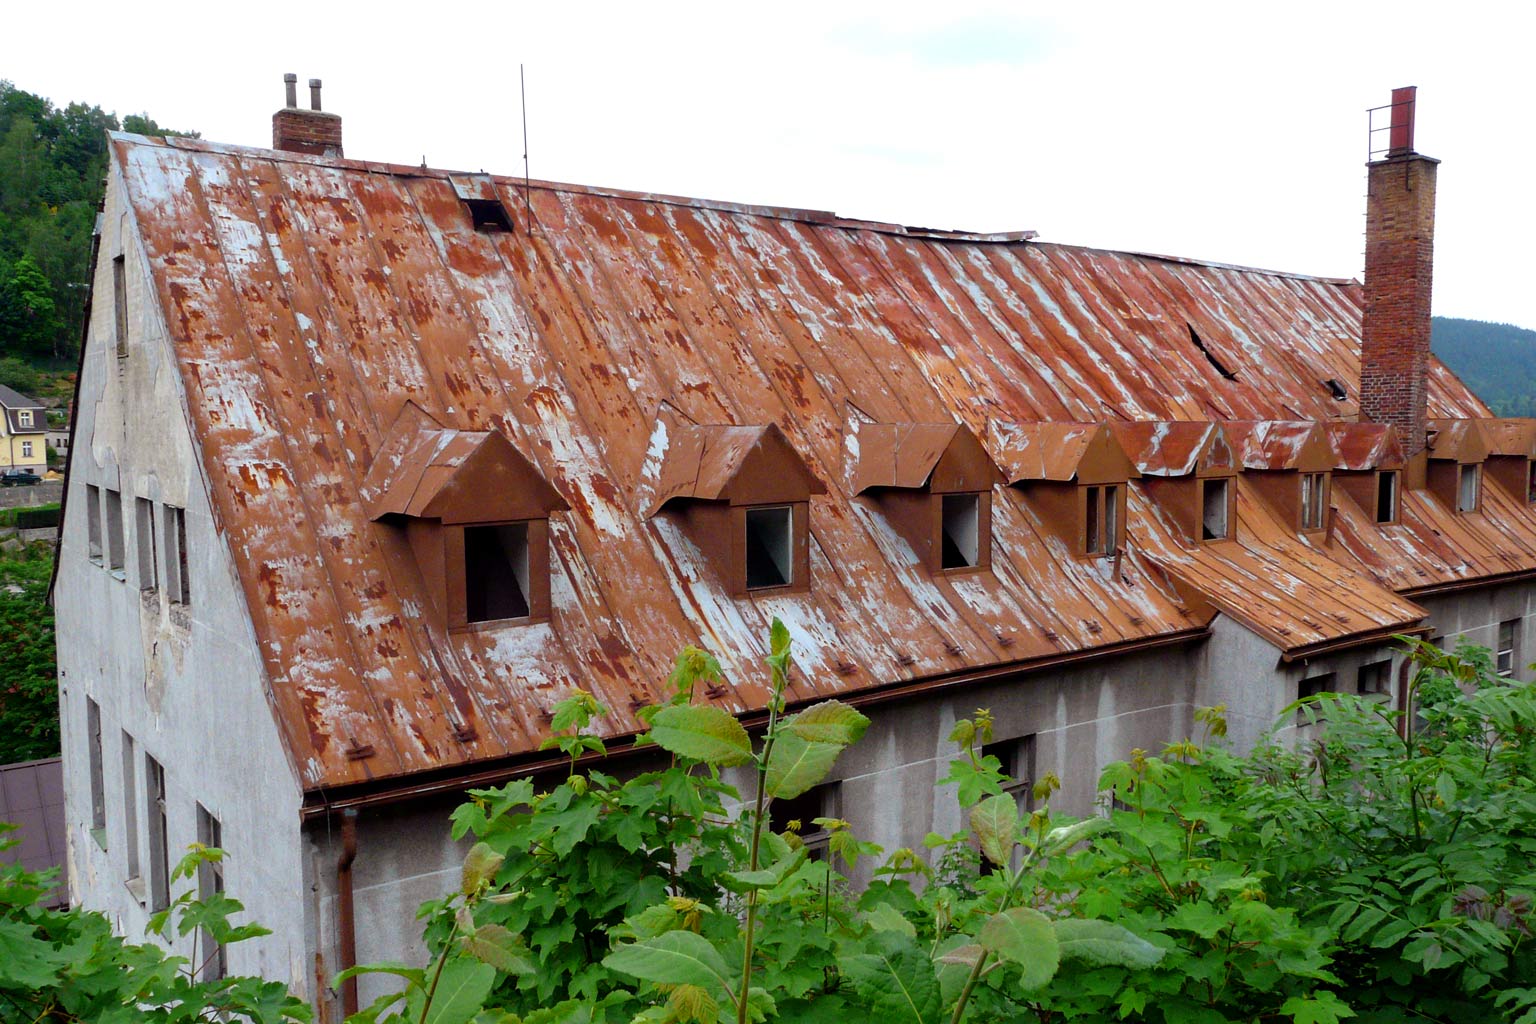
[(1497, 361)]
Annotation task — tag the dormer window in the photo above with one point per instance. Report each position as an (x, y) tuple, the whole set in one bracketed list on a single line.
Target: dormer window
[(1101, 518), (1215, 508), (496, 577), (932, 484), (961, 528), (1468, 487), (1314, 500), (24, 417), (476, 515), (770, 547), (1387, 496)]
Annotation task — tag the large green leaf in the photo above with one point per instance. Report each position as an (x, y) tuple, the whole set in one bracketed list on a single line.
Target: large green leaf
[(766, 878), (703, 733), (460, 992), (1062, 839), (830, 721), (896, 979), (497, 946), (671, 958), (1104, 944), (798, 764), (995, 821), (1025, 937)]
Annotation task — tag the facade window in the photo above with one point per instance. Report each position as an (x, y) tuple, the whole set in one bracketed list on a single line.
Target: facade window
[(1314, 500), (159, 839), (961, 529), (496, 572), (1311, 687), (770, 547), (210, 883), (177, 581), (1530, 481), (147, 544), (818, 802), (26, 449), (1509, 642), (98, 788), (120, 303), (24, 418), (1215, 504), (93, 520), (1468, 488), (130, 808), (114, 530), (1375, 678), (1386, 496), (1017, 757)]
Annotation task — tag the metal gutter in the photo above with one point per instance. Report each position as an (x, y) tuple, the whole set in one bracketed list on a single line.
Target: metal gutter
[(1353, 640), (1472, 583), (320, 804)]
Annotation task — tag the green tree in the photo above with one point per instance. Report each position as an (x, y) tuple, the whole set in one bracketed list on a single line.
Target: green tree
[(29, 687)]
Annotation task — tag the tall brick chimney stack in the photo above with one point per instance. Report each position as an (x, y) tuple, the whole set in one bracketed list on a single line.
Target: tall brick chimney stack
[(311, 131), (1399, 258)]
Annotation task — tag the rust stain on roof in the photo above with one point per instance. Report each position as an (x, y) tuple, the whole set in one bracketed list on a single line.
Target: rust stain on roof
[(314, 302), (1280, 445)]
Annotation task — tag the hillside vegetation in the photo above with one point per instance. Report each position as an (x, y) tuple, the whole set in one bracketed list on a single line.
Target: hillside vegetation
[(1497, 361)]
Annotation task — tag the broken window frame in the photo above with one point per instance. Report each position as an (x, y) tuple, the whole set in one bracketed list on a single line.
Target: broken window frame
[(1102, 519), (1228, 502), (115, 539), (120, 303), (826, 801), (93, 523), (97, 769), (450, 545), (178, 583), (1392, 479), (130, 809), (1374, 678), (786, 567), (1530, 481), (156, 820), (1469, 487), (978, 509), (519, 562), (1314, 502), (1507, 644), (147, 543), (211, 955)]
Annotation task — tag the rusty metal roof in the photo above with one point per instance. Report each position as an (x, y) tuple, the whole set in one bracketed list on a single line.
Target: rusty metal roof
[(1364, 446), (1280, 444), (1459, 440), (310, 299), (1511, 437), (1057, 451)]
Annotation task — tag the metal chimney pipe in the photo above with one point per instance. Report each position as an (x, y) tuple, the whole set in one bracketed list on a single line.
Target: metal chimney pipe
[(314, 94), (291, 85)]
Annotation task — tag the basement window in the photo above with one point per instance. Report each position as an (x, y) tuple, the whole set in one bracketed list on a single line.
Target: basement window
[(488, 215), (961, 531), (1468, 488), (1314, 492), (1386, 496), (1210, 357), (1214, 509), (496, 584), (770, 547)]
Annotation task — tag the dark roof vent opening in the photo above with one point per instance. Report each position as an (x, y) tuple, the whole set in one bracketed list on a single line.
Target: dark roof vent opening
[(489, 215), (1336, 388), (1220, 367)]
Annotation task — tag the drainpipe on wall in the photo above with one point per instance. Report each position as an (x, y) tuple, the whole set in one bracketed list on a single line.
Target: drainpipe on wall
[(346, 925)]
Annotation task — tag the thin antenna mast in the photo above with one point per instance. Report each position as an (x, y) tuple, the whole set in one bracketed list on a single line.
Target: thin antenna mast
[(522, 86)]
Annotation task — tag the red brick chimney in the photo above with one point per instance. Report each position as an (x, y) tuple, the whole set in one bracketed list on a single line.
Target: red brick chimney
[(311, 131), (1399, 257)]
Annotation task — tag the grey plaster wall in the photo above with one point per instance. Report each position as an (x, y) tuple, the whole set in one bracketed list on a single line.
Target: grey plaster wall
[(184, 681), (1474, 615)]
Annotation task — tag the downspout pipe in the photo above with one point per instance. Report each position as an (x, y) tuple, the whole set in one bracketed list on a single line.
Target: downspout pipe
[(346, 925)]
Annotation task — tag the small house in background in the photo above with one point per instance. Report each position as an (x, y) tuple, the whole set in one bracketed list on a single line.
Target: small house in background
[(375, 464), (23, 432)]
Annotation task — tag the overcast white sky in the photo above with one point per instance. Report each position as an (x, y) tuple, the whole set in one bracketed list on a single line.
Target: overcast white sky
[(1228, 131)]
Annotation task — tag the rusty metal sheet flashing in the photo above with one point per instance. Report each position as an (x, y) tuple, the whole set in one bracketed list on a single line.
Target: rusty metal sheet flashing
[(1364, 639)]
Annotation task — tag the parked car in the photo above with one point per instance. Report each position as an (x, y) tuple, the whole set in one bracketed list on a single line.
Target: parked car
[(19, 478)]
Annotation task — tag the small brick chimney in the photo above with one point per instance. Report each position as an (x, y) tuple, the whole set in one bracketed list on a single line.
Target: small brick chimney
[(311, 131), (1399, 258)]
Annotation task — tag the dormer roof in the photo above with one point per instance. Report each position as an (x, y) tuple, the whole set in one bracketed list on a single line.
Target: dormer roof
[(429, 471), (1511, 437), (1176, 447), (1459, 440), (1358, 447), (1060, 452), (721, 462), (1299, 445), (940, 457)]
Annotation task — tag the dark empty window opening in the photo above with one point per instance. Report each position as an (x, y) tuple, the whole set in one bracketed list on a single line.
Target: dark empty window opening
[(210, 883), (1386, 497), (799, 814), (1312, 687), (159, 835), (1210, 357), (1213, 511), (496, 572), (1337, 389), (1314, 492), (961, 531), (489, 215), (1111, 519), (1375, 678), (120, 303), (1093, 534), (1530, 481), (1467, 489), (98, 783), (147, 544), (770, 533), (93, 521)]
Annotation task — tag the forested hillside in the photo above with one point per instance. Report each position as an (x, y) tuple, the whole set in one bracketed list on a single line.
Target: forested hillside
[(1498, 361), (52, 165)]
